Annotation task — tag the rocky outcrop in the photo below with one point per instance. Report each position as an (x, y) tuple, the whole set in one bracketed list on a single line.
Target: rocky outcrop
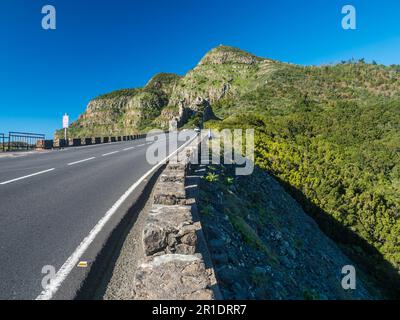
[(228, 55), (164, 82), (103, 112), (223, 73), (204, 107), (125, 111)]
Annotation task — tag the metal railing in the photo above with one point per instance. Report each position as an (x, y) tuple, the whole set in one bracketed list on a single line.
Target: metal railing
[(18, 141), (22, 141)]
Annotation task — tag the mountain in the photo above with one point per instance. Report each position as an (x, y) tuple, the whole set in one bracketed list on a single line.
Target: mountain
[(330, 135), (222, 72)]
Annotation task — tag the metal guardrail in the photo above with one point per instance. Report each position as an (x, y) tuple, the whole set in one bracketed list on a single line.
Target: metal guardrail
[(18, 141)]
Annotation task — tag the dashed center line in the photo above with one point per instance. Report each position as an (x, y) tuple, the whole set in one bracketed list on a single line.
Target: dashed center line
[(80, 161), (28, 176), (107, 154), (71, 164)]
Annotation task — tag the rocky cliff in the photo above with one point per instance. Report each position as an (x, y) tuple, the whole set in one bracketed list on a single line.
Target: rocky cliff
[(126, 111), (223, 72)]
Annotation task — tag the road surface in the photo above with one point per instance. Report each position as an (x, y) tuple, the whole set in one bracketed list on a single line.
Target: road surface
[(50, 202)]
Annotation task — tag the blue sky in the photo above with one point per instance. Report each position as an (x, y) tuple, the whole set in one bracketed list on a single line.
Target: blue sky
[(100, 46)]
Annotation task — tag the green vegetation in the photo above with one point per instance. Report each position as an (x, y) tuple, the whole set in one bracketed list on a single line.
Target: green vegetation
[(331, 135), (249, 235), (211, 177), (310, 295), (195, 121), (228, 55), (119, 93), (163, 80)]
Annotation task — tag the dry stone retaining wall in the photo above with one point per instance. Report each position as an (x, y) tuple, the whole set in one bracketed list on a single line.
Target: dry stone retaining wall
[(173, 267)]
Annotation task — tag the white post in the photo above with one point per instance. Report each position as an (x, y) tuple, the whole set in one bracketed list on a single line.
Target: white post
[(65, 125)]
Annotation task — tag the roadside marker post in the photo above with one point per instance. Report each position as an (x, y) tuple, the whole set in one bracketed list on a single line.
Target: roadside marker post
[(65, 124)]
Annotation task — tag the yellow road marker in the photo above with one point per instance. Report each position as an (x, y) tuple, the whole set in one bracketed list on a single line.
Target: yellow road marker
[(82, 264)]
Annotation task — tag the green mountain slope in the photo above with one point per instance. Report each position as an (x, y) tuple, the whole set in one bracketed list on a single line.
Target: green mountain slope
[(331, 134)]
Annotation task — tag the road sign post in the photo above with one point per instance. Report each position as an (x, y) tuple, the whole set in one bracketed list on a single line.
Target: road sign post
[(65, 125)]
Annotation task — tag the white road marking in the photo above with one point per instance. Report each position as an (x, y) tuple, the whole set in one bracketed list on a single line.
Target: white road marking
[(72, 261), (141, 145), (28, 176), (107, 154), (80, 161), (126, 149)]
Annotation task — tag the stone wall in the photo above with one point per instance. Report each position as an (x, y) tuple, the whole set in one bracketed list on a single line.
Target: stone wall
[(173, 266)]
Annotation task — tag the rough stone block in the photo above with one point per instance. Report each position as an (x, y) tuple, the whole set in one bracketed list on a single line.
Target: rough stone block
[(170, 193), (169, 229), (173, 276), (176, 166), (173, 176)]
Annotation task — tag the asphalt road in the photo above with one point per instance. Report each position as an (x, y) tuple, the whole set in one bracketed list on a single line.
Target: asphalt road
[(50, 202)]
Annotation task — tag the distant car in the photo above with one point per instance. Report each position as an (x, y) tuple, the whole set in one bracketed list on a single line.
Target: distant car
[(196, 129)]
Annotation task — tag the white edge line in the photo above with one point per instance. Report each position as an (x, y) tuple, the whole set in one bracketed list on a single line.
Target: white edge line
[(126, 149), (69, 265), (28, 176), (110, 153), (84, 160)]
